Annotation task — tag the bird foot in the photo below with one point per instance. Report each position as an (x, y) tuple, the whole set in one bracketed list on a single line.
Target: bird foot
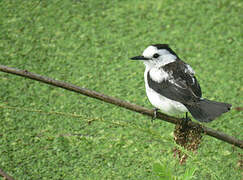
[(155, 114), (185, 120)]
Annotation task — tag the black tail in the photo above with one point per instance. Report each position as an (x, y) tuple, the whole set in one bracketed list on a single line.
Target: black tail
[(206, 110)]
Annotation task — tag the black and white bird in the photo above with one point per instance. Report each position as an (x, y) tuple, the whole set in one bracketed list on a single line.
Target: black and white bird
[(172, 87)]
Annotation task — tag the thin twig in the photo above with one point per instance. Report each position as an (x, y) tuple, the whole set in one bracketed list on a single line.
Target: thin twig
[(133, 107), (5, 175)]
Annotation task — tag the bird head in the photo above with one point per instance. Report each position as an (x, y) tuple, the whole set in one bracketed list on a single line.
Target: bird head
[(157, 55)]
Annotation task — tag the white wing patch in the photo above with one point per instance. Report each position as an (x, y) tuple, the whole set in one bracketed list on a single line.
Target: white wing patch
[(189, 69), (176, 84)]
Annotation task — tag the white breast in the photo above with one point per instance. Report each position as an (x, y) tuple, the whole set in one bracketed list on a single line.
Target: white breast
[(158, 75), (164, 104)]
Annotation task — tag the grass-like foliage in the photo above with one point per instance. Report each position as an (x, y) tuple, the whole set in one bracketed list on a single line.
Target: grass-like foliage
[(163, 171), (50, 133)]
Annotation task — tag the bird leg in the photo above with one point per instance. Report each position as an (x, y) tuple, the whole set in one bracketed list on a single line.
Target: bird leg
[(186, 120), (187, 116), (155, 114)]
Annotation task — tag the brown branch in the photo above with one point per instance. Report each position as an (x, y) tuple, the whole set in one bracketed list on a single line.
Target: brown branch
[(5, 175), (133, 107)]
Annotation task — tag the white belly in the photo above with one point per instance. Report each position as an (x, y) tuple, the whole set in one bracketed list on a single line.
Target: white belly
[(166, 105)]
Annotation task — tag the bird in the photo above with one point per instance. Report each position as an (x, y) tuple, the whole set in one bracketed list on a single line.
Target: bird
[(172, 88)]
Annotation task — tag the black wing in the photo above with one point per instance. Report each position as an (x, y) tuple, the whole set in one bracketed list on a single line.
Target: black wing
[(181, 86)]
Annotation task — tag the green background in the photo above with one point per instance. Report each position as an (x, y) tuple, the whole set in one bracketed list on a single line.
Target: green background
[(50, 133)]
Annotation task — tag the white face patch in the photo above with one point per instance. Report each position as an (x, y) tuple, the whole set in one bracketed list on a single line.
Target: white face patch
[(165, 57), (149, 51)]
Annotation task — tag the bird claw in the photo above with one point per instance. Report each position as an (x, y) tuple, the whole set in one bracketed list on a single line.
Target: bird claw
[(155, 114)]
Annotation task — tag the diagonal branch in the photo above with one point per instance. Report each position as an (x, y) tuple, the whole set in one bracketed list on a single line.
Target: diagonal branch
[(133, 107)]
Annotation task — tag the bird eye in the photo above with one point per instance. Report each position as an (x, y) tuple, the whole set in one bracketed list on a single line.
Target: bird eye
[(155, 55)]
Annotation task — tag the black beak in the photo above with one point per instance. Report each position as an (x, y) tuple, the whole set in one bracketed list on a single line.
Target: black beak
[(139, 58)]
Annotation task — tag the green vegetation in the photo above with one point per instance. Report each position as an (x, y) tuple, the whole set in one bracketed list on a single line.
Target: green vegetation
[(89, 43)]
